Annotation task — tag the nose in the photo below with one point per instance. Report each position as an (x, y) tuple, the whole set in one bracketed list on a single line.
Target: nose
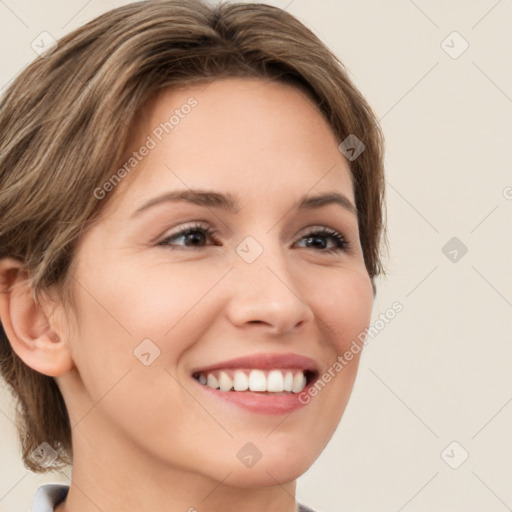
[(266, 293)]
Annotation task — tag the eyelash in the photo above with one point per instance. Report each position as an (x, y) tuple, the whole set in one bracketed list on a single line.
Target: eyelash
[(340, 241)]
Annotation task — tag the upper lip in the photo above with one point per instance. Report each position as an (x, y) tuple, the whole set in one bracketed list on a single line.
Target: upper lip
[(263, 361)]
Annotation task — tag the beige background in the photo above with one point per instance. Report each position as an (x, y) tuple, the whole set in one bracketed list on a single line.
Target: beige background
[(441, 370)]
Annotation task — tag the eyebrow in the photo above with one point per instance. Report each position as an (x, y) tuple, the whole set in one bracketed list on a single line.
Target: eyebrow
[(229, 203)]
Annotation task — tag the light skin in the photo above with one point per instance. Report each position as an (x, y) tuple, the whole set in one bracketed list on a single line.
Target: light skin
[(148, 438)]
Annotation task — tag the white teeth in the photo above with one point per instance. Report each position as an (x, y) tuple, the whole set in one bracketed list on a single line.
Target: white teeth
[(212, 381), (274, 381), (240, 381), (299, 381), (288, 381), (225, 383), (257, 381)]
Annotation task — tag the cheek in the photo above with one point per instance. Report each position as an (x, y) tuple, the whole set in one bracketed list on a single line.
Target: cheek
[(121, 307), (159, 297), (344, 307), (141, 300)]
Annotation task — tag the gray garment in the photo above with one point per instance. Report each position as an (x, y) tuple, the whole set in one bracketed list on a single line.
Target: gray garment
[(303, 508), (48, 496)]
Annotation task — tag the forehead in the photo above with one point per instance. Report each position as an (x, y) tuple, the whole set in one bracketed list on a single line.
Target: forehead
[(237, 135)]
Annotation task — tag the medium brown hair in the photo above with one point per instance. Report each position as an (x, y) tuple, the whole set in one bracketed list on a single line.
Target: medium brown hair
[(66, 121)]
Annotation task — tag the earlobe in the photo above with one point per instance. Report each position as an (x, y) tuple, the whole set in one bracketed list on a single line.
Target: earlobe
[(34, 332)]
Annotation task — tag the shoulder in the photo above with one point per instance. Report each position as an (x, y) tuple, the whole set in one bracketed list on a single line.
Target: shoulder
[(48, 496)]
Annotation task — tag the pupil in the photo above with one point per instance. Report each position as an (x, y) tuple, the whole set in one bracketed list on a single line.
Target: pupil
[(320, 240), (195, 237)]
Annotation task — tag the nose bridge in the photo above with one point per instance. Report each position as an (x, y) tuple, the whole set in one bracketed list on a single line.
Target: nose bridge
[(264, 289), (262, 260)]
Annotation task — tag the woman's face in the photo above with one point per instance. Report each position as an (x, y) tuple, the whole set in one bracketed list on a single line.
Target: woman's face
[(161, 312)]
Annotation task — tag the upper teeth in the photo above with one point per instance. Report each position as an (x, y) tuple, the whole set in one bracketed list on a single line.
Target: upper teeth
[(274, 381)]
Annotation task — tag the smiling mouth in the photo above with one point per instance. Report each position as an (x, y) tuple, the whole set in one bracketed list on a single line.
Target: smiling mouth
[(284, 381)]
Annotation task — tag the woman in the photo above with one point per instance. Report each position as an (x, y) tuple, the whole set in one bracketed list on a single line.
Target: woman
[(191, 217)]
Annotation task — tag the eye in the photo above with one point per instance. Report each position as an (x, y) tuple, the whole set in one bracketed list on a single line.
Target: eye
[(316, 237), (193, 235), (197, 236)]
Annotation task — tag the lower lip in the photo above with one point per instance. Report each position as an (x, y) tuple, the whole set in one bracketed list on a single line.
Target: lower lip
[(262, 403)]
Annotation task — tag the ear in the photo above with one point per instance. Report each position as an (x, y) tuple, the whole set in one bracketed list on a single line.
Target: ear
[(36, 333)]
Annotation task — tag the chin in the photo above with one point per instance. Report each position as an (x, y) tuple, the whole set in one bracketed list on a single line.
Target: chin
[(274, 462), (273, 472)]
